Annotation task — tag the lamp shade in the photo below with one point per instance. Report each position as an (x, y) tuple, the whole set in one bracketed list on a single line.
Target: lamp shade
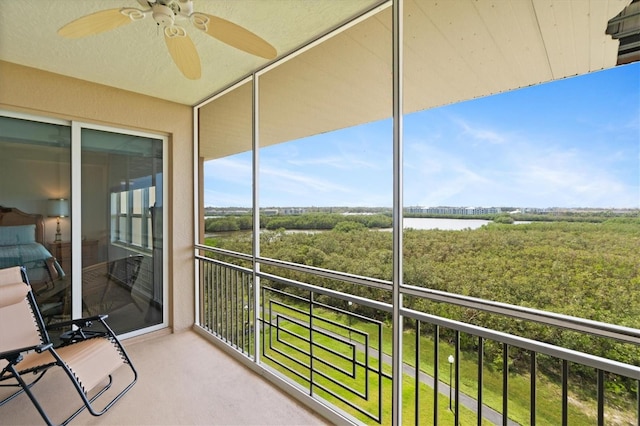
[(58, 207)]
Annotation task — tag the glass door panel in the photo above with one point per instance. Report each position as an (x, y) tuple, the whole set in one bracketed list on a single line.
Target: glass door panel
[(35, 225), (122, 268)]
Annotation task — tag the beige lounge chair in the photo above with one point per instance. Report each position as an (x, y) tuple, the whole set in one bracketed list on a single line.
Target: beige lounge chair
[(89, 353)]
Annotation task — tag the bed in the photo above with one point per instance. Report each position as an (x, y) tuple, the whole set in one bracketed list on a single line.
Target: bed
[(22, 244)]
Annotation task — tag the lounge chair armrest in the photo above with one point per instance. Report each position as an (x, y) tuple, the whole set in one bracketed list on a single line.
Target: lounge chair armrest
[(44, 347), (80, 322), (16, 355)]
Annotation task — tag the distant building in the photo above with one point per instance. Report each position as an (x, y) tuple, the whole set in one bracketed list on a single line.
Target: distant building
[(459, 211), (293, 210)]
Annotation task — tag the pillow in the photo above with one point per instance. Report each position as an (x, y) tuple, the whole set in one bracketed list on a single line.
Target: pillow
[(20, 234)]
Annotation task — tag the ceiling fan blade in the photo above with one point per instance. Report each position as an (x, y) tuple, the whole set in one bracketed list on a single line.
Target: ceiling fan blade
[(95, 23), (234, 35), (183, 52)]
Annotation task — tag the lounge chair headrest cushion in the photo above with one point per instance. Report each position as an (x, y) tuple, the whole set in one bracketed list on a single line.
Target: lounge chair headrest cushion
[(10, 294)]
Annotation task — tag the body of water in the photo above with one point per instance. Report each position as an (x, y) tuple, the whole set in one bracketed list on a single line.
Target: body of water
[(415, 223), (443, 224)]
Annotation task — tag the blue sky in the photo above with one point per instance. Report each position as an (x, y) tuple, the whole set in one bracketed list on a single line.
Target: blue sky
[(570, 143)]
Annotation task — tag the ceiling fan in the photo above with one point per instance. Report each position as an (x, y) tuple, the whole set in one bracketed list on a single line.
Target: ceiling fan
[(169, 14)]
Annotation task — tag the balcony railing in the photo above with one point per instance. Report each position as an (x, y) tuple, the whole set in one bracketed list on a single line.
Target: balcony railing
[(336, 347)]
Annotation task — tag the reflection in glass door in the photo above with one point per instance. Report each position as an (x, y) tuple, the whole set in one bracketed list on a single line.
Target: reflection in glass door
[(35, 197), (122, 203)]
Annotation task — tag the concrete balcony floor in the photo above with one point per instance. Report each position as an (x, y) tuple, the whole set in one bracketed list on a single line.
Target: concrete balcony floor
[(182, 380)]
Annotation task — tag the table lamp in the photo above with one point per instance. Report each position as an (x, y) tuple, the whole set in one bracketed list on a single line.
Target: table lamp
[(58, 207)]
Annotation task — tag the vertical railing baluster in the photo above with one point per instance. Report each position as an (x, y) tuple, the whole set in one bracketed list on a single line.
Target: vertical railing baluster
[(229, 309), (436, 376), (311, 365), (380, 371), (203, 280), (216, 304), (457, 374), (209, 296), (247, 312), (565, 392), (249, 322), (234, 307), (417, 378), (266, 321), (230, 305), (236, 320), (239, 310), (638, 402), (229, 329), (210, 299), (532, 398), (480, 377), (240, 319), (600, 397), (220, 304), (226, 304), (505, 384), (243, 331)]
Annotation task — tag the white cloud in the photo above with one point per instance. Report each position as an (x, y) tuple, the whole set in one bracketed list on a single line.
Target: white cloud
[(514, 169), (296, 183), (482, 134), (231, 169)]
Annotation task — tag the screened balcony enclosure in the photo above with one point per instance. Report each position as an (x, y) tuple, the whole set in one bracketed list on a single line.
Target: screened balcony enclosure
[(418, 212), (340, 311)]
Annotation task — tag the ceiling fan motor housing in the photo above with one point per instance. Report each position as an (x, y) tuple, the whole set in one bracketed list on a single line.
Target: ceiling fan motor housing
[(162, 14), (165, 12)]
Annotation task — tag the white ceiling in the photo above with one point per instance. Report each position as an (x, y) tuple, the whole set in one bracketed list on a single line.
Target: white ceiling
[(135, 58), (454, 50)]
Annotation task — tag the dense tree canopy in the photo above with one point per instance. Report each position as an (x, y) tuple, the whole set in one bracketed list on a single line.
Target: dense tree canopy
[(584, 269)]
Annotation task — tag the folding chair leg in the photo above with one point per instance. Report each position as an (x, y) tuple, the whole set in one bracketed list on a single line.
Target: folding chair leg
[(88, 402), (27, 390)]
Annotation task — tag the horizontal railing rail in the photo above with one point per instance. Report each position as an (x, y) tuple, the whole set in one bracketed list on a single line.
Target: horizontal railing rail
[(585, 359), (583, 325), (320, 272), (596, 328)]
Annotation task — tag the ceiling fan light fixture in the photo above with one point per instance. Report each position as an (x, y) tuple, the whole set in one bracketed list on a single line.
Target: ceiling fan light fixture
[(133, 13), (175, 31)]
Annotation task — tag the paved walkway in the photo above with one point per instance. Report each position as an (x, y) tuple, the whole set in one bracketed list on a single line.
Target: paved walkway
[(467, 401)]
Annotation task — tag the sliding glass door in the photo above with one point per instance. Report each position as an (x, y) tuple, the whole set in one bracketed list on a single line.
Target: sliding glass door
[(81, 208)]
